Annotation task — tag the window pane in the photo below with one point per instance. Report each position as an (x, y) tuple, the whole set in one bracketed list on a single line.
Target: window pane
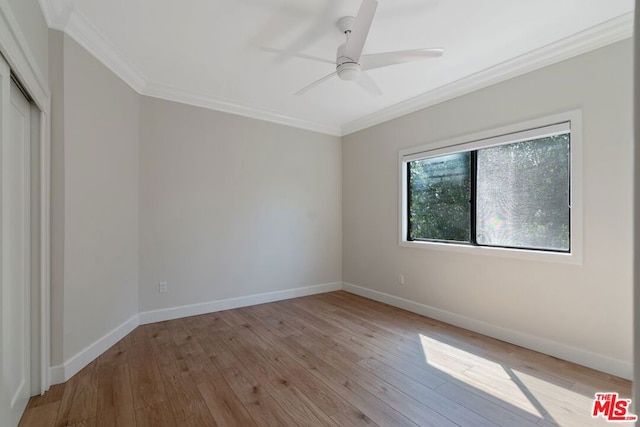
[(523, 194), (439, 192)]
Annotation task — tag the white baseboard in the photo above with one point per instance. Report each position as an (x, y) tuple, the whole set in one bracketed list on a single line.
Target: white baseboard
[(56, 375), (583, 357), (62, 373), (230, 303)]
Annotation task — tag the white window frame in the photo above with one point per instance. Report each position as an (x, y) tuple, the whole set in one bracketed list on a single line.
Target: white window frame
[(493, 137)]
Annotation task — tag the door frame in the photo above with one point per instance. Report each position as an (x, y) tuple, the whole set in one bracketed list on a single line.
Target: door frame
[(15, 50), (14, 401)]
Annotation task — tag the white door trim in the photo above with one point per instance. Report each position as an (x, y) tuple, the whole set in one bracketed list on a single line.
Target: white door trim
[(45, 245), (4, 132), (17, 287), (21, 60)]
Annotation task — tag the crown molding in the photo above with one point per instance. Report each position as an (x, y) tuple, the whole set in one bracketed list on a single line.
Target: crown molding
[(45, 6), (593, 38), (56, 12), (88, 36), (178, 95), (62, 15)]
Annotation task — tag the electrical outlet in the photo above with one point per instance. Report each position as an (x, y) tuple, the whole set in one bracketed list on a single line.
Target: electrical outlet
[(162, 287), (401, 279)]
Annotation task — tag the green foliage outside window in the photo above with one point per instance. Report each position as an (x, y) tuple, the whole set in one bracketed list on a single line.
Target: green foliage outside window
[(522, 196), (440, 190)]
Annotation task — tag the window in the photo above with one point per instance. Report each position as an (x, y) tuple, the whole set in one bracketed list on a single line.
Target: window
[(511, 192), (439, 194)]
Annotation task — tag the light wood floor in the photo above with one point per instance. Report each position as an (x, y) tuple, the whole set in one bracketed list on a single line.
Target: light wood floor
[(332, 359)]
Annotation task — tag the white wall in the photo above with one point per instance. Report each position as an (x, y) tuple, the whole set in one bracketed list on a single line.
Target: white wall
[(100, 164), (231, 206), (587, 307)]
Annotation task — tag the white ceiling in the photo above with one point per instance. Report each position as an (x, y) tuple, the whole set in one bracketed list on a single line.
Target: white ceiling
[(208, 52)]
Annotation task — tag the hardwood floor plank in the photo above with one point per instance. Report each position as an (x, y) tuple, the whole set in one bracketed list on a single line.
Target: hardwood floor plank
[(314, 389), (54, 394), (450, 408), (264, 409), (417, 368), (189, 408), (383, 390), (43, 415), (493, 411), (369, 404), (280, 385), (201, 369), (333, 359), (447, 344), (224, 405), (156, 415), (183, 338), (164, 349), (410, 344), (83, 423), (269, 327), (80, 404), (146, 381), (115, 400), (67, 400), (352, 418), (112, 356)]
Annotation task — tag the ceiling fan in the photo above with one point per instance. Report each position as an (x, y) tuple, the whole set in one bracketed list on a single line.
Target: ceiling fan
[(351, 64)]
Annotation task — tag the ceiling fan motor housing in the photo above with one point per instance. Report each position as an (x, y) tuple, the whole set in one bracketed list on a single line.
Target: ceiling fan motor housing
[(346, 23), (346, 68)]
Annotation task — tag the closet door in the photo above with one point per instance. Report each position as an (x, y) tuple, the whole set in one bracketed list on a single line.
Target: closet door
[(15, 130)]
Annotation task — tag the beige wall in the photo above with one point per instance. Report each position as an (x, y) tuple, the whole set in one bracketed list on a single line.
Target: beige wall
[(56, 84), (100, 164), (228, 206), (231, 206), (587, 307)]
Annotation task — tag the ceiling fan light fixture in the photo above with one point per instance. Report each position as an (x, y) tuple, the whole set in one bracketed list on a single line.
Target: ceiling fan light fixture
[(348, 71)]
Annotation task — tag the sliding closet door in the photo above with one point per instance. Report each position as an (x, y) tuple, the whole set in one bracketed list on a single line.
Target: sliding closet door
[(15, 128)]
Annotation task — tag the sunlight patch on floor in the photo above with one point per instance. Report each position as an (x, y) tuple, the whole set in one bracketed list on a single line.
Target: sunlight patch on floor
[(543, 394), (484, 375), (563, 405)]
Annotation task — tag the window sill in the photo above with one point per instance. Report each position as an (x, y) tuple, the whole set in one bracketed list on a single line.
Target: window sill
[(522, 254)]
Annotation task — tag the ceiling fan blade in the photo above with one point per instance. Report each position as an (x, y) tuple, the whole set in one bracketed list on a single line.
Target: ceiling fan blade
[(314, 84), (317, 30), (377, 60), (357, 38), (297, 55), (365, 81)]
